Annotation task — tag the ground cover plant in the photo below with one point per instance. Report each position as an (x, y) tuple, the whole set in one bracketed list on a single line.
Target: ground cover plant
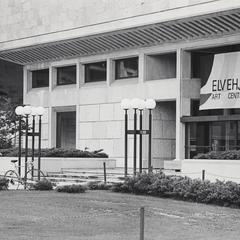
[(99, 186), (3, 183), (73, 188), (43, 185), (227, 155), (182, 188), (57, 152)]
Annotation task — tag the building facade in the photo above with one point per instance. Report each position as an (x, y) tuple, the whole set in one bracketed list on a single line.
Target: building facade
[(81, 58)]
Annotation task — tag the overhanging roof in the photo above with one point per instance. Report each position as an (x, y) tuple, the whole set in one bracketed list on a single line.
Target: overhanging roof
[(187, 29)]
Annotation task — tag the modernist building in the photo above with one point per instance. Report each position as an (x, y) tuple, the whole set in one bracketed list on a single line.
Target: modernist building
[(81, 58)]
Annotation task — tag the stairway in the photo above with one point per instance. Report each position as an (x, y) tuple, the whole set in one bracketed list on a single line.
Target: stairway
[(84, 176)]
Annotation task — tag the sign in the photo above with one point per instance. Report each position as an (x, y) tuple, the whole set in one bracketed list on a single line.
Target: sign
[(222, 89)]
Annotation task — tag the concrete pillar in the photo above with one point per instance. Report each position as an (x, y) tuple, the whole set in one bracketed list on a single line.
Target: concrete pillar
[(180, 136)]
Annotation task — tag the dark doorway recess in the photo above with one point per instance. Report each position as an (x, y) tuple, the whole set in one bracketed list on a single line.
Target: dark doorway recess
[(66, 129)]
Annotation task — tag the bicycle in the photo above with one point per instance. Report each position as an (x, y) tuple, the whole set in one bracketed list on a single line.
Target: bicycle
[(15, 180)]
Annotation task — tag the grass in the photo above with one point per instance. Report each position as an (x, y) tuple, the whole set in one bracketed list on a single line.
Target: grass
[(102, 215)]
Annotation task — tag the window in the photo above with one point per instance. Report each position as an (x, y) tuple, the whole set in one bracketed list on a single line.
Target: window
[(40, 78), (126, 68), (161, 66), (96, 72), (66, 75)]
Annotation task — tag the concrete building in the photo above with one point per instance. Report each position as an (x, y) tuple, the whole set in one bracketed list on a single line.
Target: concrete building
[(81, 58)]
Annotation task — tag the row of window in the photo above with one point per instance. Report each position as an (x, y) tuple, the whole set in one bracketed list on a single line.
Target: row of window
[(94, 72)]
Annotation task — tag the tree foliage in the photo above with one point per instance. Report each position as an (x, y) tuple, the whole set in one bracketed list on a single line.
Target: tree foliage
[(8, 122)]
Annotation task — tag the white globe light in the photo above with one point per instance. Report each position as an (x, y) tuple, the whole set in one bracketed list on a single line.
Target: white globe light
[(150, 103), (19, 110), (141, 104), (40, 111), (27, 110), (135, 103), (125, 104), (34, 111)]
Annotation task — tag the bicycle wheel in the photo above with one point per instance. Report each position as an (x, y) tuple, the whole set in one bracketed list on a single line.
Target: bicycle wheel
[(35, 175), (14, 180)]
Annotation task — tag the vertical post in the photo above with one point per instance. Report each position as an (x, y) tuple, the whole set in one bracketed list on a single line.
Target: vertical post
[(19, 145), (39, 146), (26, 152), (135, 144), (142, 223), (105, 174), (203, 175), (33, 143), (140, 140), (126, 145), (150, 142)]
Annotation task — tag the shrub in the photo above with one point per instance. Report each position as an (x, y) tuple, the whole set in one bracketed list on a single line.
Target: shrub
[(71, 188), (98, 186), (183, 188), (4, 183), (231, 155), (43, 185), (56, 152)]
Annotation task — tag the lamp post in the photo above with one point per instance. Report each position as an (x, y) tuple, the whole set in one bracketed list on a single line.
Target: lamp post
[(138, 104), (134, 105), (40, 112), (19, 113), (141, 107), (126, 105), (26, 111), (150, 105)]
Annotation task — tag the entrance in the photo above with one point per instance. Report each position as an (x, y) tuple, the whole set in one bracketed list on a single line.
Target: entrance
[(66, 130)]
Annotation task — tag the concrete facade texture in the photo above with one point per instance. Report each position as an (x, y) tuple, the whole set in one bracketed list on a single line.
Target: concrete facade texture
[(99, 117)]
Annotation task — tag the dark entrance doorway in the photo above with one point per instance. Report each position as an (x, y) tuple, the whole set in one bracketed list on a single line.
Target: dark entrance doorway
[(66, 129)]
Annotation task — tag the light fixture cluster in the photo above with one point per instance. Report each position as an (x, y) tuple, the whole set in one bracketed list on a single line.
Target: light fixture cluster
[(29, 110), (137, 103)]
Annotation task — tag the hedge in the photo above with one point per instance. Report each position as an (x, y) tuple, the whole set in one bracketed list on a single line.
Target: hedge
[(74, 188), (230, 155), (182, 188), (57, 152)]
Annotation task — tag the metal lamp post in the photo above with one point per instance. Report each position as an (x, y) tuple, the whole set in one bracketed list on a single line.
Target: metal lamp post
[(150, 105), (26, 111), (19, 113), (126, 105), (138, 104)]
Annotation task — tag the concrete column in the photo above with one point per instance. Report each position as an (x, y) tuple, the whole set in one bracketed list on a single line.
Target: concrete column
[(180, 131), (77, 126), (110, 71), (52, 127), (141, 68), (25, 82)]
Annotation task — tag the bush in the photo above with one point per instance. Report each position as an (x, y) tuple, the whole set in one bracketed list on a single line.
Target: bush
[(71, 188), (231, 155), (182, 188), (43, 185), (4, 183), (98, 186), (56, 152)]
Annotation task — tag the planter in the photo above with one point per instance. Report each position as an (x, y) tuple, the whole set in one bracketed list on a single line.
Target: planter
[(227, 170), (57, 164)]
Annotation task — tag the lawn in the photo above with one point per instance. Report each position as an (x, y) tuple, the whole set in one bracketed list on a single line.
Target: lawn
[(102, 215)]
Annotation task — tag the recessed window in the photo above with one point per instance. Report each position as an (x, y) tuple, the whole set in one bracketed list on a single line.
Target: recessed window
[(40, 78), (95, 72), (66, 75), (161, 66), (126, 68)]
